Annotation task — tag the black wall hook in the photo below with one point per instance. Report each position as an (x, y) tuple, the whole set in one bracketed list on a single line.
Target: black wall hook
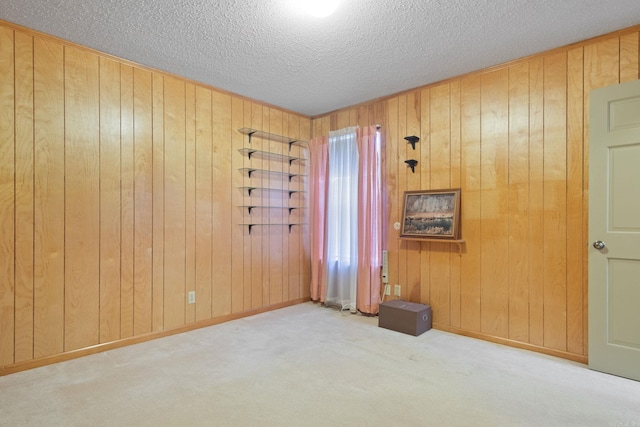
[(412, 164), (412, 140)]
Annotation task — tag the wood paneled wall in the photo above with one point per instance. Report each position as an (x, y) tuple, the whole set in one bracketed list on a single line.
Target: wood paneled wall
[(118, 196), (514, 138)]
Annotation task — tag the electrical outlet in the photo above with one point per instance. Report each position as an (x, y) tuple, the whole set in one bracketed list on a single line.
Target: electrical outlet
[(387, 289), (396, 290), (192, 297)]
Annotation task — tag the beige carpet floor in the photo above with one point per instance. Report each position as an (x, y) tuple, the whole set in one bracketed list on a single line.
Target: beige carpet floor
[(308, 365)]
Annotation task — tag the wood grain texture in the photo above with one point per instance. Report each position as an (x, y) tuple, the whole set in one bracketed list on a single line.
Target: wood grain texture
[(265, 199), (82, 202), (174, 203), (276, 273), (470, 288), (224, 220), (258, 235), (7, 197), (629, 53), (204, 205), (518, 209), (157, 317), (412, 290), (238, 199), (24, 197), (190, 199), (143, 202), (423, 155), (116, 188), (555, 202), (455, 177), (48, 320), (127, 200), (494, 178), (575, 215), (110, 200), (536, 202), (440, 167)]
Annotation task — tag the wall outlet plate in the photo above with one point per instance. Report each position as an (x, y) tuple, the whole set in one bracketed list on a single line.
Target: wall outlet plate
[(192, 297), (396, 290), (387, 289)]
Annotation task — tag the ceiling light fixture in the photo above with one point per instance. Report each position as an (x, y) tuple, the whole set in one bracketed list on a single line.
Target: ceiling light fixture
[(320, 8)]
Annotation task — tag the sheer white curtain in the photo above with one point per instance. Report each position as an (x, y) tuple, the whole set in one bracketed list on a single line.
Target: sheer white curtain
[(342, 219)]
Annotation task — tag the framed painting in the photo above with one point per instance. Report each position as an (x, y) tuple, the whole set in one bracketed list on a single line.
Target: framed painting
[(432, 214)]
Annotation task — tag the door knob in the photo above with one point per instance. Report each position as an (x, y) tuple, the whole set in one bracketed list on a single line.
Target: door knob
[(598, 244)]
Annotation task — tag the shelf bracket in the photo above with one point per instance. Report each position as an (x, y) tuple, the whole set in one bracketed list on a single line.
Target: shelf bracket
[(250, 226), (412, 164), (290, 225), (290, 144), (291, 210), (412, 140), (250, 134)]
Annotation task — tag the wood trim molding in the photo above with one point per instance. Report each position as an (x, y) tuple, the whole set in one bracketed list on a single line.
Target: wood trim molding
[(70, 355), (516, 344)]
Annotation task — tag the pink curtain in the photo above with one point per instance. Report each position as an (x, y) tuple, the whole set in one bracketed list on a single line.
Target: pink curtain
[(318, 170), (370, 215)]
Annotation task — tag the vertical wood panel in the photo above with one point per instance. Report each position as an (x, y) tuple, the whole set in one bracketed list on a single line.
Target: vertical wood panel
[(257, 215), (238, 232), (110, 201), (305, 256), (190, 199), (48, 95), (470, 215), (224, 224), (204, 207), (284, 217), (266, 216), (629, 61), (405, 245), (247, 284), (24, 213), (7, 197), (157, 316), (82, 203), (494, 202), (518, 211), (555, 201), (423, 155), (536, 206), (143, 203), (455, 174), (276, 274), (440, 143), (127, 194), (174, 203), (412, 289), (293, 238), (575, 215)]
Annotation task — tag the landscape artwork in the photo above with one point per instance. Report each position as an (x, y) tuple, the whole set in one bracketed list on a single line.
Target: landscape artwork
[(433, 214)]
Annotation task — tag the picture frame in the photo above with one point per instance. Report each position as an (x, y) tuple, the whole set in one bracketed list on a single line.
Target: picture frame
[(431, 214)]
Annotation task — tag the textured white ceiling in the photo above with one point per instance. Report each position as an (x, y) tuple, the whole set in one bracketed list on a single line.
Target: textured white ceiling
[(270, 51)]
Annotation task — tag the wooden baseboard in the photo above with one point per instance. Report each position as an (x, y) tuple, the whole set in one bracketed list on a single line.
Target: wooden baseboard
[(69, 355), (517, 344)]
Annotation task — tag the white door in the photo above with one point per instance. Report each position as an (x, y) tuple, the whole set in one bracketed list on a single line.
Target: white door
[(614, 230)]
